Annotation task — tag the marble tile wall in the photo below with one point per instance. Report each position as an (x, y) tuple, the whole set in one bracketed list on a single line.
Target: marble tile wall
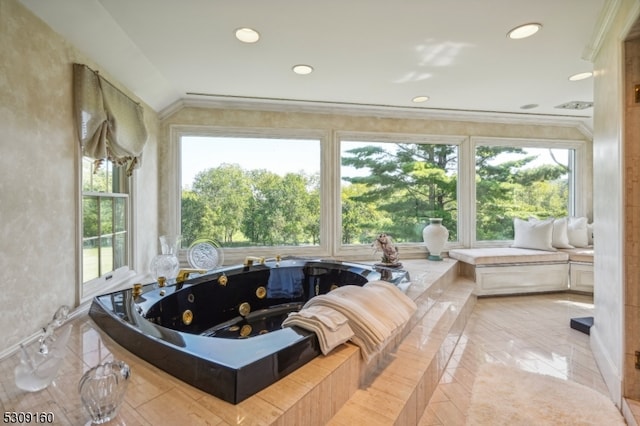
[(631, 382)]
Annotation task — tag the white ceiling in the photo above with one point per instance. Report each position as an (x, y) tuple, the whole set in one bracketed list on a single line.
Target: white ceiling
[(373, 53)]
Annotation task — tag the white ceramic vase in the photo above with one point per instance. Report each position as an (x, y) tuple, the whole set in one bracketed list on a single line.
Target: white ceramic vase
[(435, 236)]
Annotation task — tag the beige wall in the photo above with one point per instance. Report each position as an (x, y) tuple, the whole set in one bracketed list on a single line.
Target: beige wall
[(39, 162)]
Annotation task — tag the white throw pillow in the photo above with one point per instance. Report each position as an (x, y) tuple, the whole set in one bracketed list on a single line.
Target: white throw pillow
[(560, 238), (577, 231), (536, 235)]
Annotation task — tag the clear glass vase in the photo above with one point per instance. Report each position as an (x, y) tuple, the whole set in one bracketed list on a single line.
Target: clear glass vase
[(38, 368), (102, 390), (166, 264), (170, 244)]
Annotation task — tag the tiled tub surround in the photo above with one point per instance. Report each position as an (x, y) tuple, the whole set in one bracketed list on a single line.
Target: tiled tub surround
[(231, 343), (336, 388)]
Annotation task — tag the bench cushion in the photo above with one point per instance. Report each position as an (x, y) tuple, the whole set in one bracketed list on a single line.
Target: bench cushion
[(580, 254), (506, 256)]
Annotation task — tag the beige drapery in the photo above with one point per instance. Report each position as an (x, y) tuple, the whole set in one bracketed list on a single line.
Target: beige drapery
[(110, 124)]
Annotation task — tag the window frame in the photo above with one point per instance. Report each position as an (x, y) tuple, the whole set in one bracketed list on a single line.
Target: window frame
[(577, 182), (406, 249), (237, 254), (330, 185), (110, 279), (101, 196)]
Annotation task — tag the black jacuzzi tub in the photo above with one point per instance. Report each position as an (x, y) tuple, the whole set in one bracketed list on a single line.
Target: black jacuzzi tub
[(221, 331)]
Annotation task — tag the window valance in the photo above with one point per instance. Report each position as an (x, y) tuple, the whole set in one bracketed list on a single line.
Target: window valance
[(110, 124)]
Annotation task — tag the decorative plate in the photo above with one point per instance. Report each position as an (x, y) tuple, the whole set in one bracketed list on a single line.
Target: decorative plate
[(205, 254)]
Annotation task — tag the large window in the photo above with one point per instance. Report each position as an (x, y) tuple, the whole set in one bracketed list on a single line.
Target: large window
[(521, 180), (331, 193), (394, 187), (250, 191), (105, 229)]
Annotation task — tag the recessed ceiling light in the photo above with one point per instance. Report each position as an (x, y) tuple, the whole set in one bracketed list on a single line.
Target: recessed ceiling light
[(524, 31), (580, 76), (302, 69), (247, 35), (419, 99)]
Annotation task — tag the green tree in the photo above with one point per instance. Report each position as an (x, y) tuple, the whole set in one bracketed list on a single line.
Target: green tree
[(311, 215), (262, 217), (278, 211), (409, 182), (90, 218), (226, 191), (510, 188), (359, 218), (494, 187), (197, 218)]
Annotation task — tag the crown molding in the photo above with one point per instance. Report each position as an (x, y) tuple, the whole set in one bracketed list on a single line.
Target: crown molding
[(605, 21), (582, 123)]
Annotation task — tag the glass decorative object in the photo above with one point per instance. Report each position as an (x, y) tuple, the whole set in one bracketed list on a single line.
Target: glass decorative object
[(166, 264), (102, 390), (170, 244), (37, 369), (435, 236), (205, 254)]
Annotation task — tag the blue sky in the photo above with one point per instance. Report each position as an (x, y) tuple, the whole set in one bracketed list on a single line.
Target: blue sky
[(278, 156)]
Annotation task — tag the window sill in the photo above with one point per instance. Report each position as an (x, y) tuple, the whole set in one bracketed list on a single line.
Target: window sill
[(113, 281)]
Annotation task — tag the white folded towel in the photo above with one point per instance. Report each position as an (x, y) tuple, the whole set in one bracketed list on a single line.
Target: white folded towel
[(331, 327), (376, 312), (400, 303)]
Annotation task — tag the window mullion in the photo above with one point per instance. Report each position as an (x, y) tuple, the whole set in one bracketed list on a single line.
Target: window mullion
[(99, 234)]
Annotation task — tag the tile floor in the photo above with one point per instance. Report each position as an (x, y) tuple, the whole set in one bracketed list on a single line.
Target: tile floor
[(531, 332)]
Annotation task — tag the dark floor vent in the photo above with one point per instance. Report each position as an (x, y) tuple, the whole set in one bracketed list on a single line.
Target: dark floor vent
[(582, 324)]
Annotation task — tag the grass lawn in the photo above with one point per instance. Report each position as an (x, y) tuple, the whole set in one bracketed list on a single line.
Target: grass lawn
[(90, 265)]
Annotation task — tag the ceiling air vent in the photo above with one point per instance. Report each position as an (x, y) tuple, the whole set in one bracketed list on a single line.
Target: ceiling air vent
[(575, 105)]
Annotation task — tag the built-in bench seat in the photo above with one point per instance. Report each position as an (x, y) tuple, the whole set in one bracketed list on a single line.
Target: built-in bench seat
[(584, 255), (580, 269), (508, 270)]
